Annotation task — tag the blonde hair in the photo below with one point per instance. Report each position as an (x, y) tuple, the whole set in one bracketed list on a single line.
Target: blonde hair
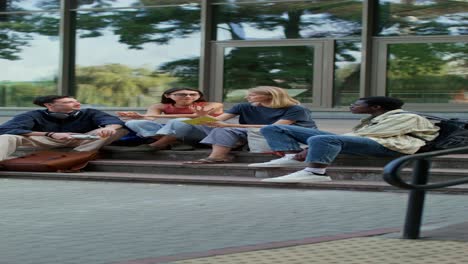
[(279, 97)]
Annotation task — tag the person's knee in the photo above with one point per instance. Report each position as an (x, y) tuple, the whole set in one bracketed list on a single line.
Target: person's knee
[(135, 123), (271, 128), (176, 121), (10, 138), (322, 139), (222, 134), (218, 131), (178, 125)]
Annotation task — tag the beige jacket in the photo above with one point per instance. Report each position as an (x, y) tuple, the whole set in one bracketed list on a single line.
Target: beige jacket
[(392, 130)]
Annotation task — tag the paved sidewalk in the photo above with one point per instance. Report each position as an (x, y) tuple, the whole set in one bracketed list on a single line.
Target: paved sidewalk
[(76, 222), (372, 250)]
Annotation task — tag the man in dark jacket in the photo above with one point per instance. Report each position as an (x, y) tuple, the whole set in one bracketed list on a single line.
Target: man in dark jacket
[(62, 124)]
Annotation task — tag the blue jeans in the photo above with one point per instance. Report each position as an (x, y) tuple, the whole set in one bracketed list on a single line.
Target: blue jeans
[(228, 137), (184, 132), (324, 147), (144, 128)]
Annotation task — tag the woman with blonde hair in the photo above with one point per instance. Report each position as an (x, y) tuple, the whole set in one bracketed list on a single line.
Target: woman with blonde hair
[(266, 105)]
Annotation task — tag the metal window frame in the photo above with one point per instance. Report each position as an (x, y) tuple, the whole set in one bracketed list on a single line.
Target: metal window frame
[(322, 68), (380, 61)]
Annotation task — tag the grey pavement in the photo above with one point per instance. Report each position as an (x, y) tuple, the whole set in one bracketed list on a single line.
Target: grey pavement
[(75, 222)]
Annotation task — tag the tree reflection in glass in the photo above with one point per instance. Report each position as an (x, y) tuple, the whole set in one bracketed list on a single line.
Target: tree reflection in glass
[(431, 17), (28, 5), (29, 57), (347, 72), (286, 67), (82, 4), (428, 72), (276, 20), (137, 53)]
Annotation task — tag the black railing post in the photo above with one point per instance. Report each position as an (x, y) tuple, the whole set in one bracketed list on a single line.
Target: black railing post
[(416, 200)]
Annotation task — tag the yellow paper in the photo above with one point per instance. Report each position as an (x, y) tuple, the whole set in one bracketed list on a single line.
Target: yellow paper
[(200, 120)]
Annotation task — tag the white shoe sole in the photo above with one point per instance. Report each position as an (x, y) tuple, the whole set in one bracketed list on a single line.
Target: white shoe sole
[(309, 180), (275, 165)]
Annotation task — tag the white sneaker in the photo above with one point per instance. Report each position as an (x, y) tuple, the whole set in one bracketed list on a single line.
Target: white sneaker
[(300, 176), (287, 160)]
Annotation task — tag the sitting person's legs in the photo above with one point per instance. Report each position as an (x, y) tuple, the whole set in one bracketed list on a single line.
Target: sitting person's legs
[(323, 150), (286, 139), (90, 145), (223, 140), (144, 128), (176, 130), (9, 144)]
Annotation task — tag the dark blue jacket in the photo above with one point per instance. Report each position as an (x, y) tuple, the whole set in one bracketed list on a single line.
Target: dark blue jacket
[(40, 121)]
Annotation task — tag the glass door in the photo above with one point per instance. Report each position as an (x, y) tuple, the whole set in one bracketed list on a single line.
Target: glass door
[(424, 72), (297, 67)]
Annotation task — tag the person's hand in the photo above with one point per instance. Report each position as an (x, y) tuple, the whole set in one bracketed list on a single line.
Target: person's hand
[(301, 156), (201, 110), (133, 115), (62, 136), (106, 132)]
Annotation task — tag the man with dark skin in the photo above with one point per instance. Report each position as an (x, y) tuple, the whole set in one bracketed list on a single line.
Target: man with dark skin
[(387, 132)]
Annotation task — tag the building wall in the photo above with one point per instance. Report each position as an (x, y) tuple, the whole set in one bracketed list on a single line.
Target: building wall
[(326, 53)]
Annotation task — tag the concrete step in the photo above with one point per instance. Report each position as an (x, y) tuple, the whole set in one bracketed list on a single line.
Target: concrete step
[(459, 161), (134, 164), (134, 153), (241, 170), (336, 184)]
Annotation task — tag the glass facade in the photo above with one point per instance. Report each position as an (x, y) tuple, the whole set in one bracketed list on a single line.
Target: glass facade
[(326, 53), (347, 72), (29, 57), (137, 53), (290, 68), (287, 19), (423, 17), (428, 72), (85, 4), (29, 5)]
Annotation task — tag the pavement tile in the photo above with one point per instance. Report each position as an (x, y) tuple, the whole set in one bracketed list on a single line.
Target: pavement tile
[(77, 222), (351, 251)]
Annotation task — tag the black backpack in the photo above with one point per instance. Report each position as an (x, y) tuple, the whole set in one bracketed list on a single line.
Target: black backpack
[(453, 133)]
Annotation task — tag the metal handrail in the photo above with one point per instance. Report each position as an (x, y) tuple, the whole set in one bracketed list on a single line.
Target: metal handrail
[(418, 185), (393, 168)]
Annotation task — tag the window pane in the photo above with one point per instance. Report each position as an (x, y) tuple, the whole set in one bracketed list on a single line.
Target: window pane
[(423, 17), (128, 57), (428, 72), (347, 72), (130, 3), (290, 20), (29, 57), (286, 67), (20, 5)]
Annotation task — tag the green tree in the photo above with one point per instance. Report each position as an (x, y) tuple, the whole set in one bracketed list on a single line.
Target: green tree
[(119, 85)]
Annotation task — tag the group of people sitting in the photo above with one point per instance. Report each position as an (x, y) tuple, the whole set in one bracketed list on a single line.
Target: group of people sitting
[(285, 124)]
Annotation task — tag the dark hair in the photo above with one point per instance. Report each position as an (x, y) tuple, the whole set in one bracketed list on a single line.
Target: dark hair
[(41, 100), (387, 103), (166, 100)]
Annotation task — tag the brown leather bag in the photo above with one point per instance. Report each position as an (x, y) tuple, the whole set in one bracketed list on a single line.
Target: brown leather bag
[(50, 161)]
